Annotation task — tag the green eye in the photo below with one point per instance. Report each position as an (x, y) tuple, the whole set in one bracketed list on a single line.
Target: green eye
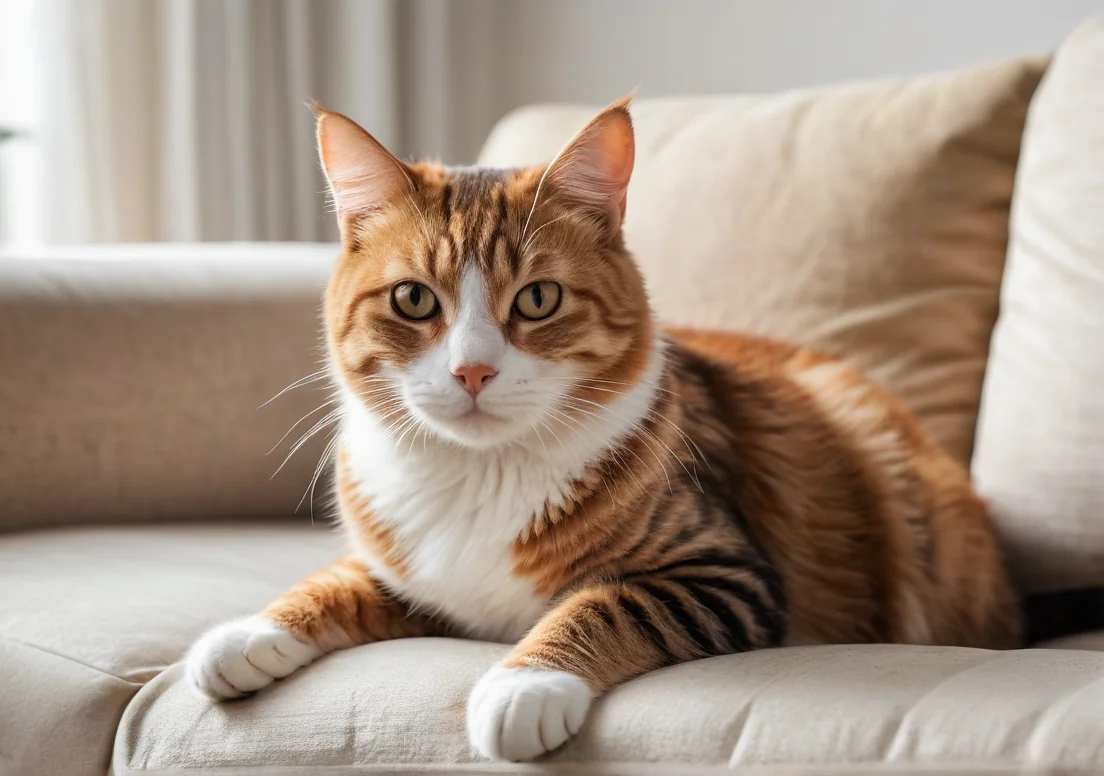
[(414, 301), (538, 300)]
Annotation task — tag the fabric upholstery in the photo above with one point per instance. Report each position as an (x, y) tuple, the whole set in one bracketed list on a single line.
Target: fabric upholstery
[(131, 379), (57, 714), (1040, 449), (88, 615), (867, 220), (402, 704)]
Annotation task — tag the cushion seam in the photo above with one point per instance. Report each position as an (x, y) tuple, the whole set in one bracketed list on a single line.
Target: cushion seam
[(67, 658)]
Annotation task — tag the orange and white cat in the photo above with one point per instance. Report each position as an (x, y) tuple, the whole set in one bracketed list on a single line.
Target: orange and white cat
[(526, 456)]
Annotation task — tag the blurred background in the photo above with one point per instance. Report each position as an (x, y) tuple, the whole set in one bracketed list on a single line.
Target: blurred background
[(183, 120)]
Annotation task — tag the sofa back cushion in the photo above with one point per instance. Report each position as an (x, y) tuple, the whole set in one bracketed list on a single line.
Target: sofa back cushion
[(1040, 447), (867, 220)]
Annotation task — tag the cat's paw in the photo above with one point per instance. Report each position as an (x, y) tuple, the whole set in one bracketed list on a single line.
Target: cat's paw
[(520, 713), (241, 657)]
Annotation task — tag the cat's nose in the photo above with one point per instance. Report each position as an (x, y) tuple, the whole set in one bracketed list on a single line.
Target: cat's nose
[(474, 378)]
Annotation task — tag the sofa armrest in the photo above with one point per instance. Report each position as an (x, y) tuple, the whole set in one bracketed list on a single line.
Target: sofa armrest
[(131, 379)]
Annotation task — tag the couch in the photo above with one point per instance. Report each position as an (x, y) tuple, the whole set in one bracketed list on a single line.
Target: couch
[(944, 232)]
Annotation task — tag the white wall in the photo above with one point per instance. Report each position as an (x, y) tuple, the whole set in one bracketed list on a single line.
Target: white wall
[(595, 50)]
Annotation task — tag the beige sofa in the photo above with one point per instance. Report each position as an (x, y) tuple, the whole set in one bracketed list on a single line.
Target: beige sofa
[(871, 220)]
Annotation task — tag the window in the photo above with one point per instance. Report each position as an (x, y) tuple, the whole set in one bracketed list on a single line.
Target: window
[(20, 152)]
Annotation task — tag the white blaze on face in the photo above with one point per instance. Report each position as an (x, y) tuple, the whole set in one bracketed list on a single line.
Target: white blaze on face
[(474, 338)]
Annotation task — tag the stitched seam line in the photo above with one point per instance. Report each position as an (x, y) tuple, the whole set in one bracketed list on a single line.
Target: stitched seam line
[(67, 658)]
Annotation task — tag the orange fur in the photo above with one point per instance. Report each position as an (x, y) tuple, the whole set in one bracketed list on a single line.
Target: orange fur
[(342, 606)]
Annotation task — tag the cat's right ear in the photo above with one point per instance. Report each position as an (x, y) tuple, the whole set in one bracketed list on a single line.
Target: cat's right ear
[(363, 175)]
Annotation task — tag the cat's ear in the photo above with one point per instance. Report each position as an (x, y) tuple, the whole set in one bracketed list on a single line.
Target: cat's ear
[(363, 175), (594, 168)]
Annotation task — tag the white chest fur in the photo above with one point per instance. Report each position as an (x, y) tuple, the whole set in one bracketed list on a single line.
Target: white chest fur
[(456, 513)]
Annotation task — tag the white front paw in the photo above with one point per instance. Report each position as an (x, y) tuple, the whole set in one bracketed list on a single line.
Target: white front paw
[(241, 657), (520, 713)]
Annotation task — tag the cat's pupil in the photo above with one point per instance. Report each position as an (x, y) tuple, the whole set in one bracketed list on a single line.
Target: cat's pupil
[(415, 296), (538, 298)]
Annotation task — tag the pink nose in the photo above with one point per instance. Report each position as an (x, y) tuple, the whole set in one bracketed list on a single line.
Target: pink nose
[(474, 378)]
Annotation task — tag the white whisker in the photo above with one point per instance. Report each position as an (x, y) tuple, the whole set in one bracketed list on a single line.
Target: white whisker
[(536, 231), (644, 438), (616, 458), (628, 469), (550, 431), (690, 444), (537, 430), (312, 377), (321, 424), (327, 451), (421, 217), (296, 424)]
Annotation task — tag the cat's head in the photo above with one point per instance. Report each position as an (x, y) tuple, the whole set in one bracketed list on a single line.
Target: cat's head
[(483, 305)]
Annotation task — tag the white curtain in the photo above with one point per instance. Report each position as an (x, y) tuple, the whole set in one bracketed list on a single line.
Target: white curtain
[(184, 120)]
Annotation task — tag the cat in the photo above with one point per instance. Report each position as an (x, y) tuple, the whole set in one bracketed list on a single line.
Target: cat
[(526, 456)]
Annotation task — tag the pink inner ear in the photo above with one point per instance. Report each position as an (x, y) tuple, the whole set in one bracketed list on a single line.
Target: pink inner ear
[(362, 174), (596, 166), (616, 151)]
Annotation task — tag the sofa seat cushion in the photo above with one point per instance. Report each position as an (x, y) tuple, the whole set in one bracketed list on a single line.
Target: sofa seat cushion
[(42, 693), (401, 704), (87, 616)]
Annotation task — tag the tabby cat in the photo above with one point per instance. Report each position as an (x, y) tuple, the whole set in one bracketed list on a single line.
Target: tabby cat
[(526, 456)]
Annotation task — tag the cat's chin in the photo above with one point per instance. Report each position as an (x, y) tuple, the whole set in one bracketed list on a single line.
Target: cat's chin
[(479, 430)]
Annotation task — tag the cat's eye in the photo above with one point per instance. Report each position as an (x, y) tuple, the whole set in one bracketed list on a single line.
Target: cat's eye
[(538, 300), (414, 301)]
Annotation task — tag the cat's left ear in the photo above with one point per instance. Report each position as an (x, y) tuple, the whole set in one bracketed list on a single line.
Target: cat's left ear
[(593, 170)]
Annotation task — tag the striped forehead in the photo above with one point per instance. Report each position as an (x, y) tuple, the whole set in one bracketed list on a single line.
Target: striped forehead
[(469, 189), (473, 205)]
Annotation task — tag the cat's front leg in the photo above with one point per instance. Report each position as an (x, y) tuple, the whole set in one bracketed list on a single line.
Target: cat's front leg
[(338, 607), (600, 636)]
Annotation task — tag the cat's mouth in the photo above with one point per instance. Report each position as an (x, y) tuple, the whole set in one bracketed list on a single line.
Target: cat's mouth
[(478, 422), (477, 427), (476, 414)]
